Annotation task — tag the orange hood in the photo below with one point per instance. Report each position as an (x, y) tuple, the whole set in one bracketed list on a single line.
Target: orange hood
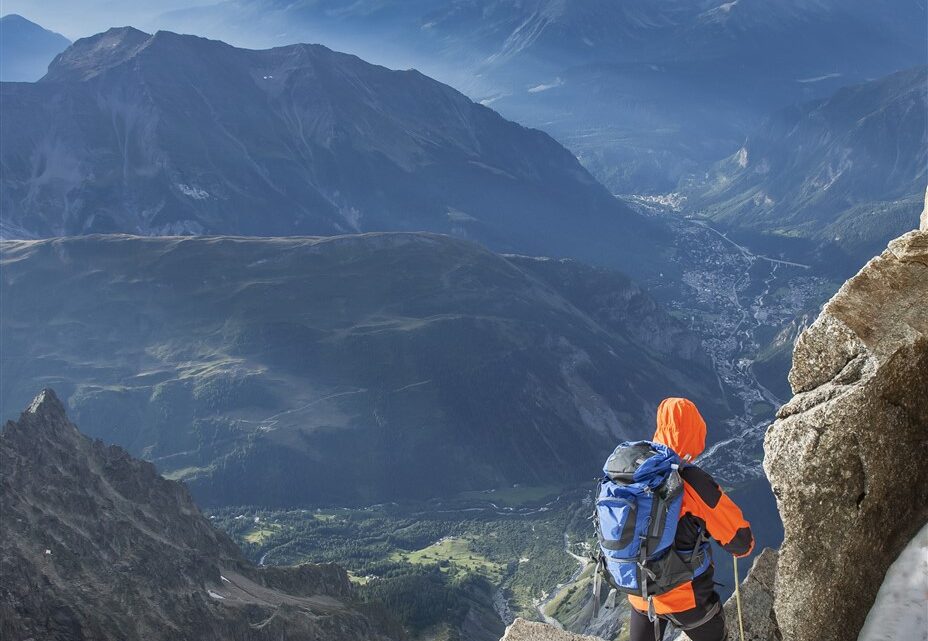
[(681, 427)]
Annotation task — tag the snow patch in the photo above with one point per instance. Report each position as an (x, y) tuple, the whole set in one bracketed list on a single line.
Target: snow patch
[(742, 157), (352, 216), (546, 86), (193, 192), (762, 199), (215, 595), (827, 76), (900, 613), (458, 216)]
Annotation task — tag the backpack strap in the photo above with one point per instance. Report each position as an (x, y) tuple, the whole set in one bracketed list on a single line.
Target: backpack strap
[(652, 616), (702, 537)]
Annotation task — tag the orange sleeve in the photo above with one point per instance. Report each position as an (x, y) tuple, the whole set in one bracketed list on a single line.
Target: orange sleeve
[(724, 520)]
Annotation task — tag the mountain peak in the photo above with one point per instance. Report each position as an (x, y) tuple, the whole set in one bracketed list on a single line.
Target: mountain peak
[(46, 403), (77, 512), (90, 56), (46, 414), (26, 48)]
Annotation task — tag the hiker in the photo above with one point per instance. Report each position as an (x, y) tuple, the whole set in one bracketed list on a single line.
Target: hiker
[(688, 599)]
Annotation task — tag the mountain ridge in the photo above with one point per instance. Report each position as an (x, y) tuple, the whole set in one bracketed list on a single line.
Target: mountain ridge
[(848, 170), (98, 545), (183, 135)]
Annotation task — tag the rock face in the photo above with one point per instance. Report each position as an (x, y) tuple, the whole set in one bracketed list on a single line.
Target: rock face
[(96, 545), (847, 455)]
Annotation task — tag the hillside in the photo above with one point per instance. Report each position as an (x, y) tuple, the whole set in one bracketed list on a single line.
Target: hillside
[(96, 545), (849, 170), (271, 371), (26, 49), (171, 134)]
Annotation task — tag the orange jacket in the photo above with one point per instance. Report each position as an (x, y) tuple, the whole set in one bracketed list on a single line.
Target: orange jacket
[(681, 428)]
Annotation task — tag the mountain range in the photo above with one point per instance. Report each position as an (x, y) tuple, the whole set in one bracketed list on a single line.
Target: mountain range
[(849, 170), (97, 545), (169, 134), (354, 369), (26, 49), (643, 92)]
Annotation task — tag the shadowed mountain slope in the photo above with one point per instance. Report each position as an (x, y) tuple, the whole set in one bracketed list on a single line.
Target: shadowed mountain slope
[(850, 170), (170, 134), (97, 545), (348, 369)]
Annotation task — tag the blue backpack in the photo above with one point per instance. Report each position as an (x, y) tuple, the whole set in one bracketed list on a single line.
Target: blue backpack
[(638, 506)]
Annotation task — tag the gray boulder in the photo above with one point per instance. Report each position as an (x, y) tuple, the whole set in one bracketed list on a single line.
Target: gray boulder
[(522, 630), (847, 455)]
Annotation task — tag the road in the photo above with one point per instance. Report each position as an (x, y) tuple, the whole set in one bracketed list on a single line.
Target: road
[(747, 252)]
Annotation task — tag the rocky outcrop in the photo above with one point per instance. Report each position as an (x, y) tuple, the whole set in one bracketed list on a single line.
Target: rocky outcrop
[(847, 455), (522, 630), (97, 545)]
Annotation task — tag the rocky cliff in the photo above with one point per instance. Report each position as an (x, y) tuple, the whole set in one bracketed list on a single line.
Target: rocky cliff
[(96, 545), (847, 455)]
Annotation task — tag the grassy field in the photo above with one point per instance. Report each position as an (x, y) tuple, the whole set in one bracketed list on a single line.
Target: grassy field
[(453, 554), (261, 534)]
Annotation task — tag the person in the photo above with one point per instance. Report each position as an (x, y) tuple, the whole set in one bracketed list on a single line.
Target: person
[(694, 606)]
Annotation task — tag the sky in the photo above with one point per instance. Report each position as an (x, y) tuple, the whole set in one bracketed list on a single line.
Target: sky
[(77, 19)]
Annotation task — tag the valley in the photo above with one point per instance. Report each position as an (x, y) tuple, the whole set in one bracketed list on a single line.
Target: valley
[(738, 303), (372, 325), (454, 568)]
